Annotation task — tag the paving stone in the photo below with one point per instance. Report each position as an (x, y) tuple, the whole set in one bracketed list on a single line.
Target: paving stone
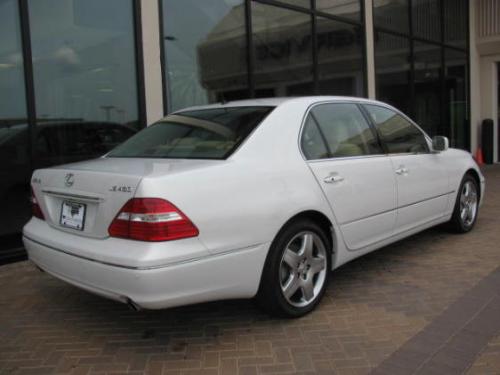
[(393, 299)]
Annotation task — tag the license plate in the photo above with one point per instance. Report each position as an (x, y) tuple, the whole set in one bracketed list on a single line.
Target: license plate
[(73, 215)]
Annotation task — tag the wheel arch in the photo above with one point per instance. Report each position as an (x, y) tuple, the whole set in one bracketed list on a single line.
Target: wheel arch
[(316, 216), (319, 218), (475, 175)]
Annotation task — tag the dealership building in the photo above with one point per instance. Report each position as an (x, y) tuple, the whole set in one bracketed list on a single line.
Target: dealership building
[(77, 77)]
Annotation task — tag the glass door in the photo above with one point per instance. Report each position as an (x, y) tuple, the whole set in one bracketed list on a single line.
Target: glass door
[(15, 166)]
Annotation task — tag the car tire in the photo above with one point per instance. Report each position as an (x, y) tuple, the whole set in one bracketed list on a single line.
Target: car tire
[(296, 271), (466, 207)]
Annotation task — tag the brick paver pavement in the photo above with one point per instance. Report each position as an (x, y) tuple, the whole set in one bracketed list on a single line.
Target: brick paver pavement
[(374, 309), (488, 363)]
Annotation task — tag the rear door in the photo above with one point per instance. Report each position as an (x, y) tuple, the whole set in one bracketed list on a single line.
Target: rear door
[(422, 180), (357, 178)]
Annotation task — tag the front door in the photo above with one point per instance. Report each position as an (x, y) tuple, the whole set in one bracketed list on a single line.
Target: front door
[(422, 189), (355, 175), (422, 181)]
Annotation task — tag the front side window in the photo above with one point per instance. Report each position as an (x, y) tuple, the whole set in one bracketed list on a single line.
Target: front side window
[(344, 129), (200, 134), (398, 134)]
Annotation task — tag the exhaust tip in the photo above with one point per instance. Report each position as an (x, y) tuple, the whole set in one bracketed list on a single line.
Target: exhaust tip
[(133, 306)]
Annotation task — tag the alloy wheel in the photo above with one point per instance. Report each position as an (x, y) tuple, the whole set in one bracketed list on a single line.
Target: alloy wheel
[(468, 203), (303, 269)]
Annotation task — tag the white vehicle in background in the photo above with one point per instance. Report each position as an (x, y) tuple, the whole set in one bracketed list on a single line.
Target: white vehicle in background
[(251, 198)]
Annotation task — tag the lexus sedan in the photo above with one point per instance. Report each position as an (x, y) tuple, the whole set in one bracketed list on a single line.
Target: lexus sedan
[(256, 198)]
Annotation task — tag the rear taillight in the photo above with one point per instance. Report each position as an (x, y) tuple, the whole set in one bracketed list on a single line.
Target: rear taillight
[(35, 207), (151, 219)]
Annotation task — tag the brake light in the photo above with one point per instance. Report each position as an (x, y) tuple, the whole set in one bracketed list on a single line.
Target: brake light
[(151, 219), (35, 207)]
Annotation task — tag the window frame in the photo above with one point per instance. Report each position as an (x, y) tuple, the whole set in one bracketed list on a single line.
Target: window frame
[(330, 157), (428, 140)]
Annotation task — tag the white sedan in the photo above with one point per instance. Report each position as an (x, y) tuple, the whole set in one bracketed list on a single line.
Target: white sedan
[(256, 198)]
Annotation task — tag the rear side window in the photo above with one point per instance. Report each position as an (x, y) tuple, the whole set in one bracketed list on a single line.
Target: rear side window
[(398, 134), (342, 130), (312, 142), (201, 134)]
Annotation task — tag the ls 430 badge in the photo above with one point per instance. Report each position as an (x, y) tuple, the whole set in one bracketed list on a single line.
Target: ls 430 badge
[(122, 189)]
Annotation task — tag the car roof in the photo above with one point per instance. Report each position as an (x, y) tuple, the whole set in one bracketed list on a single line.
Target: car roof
[(275, 102)]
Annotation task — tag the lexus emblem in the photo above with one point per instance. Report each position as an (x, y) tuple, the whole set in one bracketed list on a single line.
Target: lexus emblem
[(69, 179)]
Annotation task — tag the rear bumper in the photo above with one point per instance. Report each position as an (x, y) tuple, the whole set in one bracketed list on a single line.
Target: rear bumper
[(234, 274)]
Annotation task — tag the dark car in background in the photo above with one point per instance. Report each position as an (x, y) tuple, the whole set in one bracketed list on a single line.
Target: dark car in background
[(55, 142)]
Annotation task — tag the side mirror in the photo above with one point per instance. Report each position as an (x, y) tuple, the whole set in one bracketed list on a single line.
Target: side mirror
[(440, 143)]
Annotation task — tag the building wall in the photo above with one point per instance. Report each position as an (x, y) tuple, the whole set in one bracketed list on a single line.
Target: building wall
[(484, 60), (370, 50), (152, 60)]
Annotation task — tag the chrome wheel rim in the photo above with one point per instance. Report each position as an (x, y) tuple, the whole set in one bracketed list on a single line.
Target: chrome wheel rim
[(303, 269), (468, 203)]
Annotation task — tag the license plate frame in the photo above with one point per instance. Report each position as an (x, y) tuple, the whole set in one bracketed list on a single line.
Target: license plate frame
[(73, 215)]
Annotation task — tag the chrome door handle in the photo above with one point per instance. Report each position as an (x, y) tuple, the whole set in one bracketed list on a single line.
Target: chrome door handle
[(333, 178), (402, 171)]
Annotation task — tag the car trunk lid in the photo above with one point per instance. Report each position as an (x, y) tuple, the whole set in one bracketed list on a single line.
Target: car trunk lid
[(84, 198)]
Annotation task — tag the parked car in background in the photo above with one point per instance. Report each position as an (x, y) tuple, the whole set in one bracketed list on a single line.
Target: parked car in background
[(56, 142), (257, 198)]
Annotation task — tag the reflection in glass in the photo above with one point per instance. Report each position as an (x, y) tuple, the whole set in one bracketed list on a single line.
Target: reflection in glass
[(71, 141), (14, 137), (392, 70), (427, 104), (456, 22), (312, 142), (283, 51), (350, 9), (392, 15), (298, 3), (426, 19), (346, 131), (340, 58), (85, 77), (456, 97), (205, 49), (399, 135)]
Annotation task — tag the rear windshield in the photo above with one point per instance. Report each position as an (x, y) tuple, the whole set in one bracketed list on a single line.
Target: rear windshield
[(201, 134)]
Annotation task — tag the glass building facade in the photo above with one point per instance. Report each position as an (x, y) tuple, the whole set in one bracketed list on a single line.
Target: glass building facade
[(421, 63), (72, 72), (219, 50), (68, 92)]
